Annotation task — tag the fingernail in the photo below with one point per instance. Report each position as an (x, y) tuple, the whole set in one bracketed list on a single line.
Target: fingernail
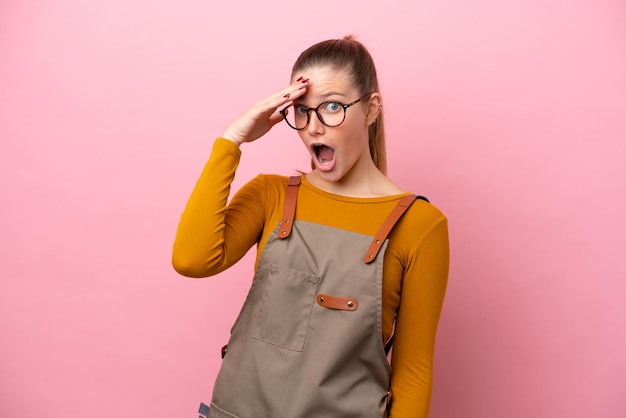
[(305, 81), (286, 96), (299, 79), (302, 87)]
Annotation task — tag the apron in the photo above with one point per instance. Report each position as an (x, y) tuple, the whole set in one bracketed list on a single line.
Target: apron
[(307, 342)]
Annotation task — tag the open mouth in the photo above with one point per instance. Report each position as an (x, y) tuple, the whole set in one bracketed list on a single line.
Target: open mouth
[(324, 153)]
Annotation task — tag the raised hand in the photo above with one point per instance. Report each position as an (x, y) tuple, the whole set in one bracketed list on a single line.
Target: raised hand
[(263, 115)]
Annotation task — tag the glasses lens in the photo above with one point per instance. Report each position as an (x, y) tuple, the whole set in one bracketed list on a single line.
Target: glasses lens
[(332, 113), (296, 116)]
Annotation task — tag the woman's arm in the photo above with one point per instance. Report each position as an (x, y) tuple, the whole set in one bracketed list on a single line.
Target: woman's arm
[(212, 236), (423, 289)]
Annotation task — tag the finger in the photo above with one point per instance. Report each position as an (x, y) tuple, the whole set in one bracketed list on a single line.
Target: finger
[(295, 90), (288, 98), (275, 118), (283, 97), (277, 100)]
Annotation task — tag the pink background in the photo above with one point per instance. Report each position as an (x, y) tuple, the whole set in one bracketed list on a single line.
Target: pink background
[(509, 115)]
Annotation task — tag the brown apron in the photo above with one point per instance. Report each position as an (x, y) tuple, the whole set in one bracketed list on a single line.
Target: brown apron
[(308, 340)]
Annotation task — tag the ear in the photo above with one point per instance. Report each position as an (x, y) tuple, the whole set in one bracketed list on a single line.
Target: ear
[(374, 108)]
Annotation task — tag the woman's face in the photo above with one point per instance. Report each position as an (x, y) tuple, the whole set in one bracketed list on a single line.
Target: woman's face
[(340, 153)]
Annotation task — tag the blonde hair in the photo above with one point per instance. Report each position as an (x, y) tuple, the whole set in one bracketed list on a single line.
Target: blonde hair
[(351, 55)]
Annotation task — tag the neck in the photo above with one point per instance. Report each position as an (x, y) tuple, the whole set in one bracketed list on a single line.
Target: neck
[(366, 181)]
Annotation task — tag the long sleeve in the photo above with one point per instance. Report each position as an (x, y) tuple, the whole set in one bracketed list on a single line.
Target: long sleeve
[(212, 236), (423, 289)]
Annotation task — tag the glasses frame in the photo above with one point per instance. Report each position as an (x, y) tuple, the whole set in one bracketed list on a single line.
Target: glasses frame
[(283, 112)]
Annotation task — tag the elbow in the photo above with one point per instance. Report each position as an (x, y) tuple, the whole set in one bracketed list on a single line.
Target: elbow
[(195, 266), (194, 262), (186, 267)]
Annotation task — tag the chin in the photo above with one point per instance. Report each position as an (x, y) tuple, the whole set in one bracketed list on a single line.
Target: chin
[(330, 176)]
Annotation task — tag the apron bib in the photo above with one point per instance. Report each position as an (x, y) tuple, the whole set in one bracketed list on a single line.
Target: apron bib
[(308, 340)]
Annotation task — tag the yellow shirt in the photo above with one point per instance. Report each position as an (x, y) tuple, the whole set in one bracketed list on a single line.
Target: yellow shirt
[(214, 234)]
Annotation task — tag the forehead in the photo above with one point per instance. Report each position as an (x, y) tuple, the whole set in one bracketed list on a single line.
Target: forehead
[(325, 81)]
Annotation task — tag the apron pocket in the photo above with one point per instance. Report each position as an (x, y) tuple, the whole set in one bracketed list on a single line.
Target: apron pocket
[(287, 299)]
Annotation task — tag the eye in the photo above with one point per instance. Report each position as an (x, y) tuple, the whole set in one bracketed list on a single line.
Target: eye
[(332, 107), (300, 110)]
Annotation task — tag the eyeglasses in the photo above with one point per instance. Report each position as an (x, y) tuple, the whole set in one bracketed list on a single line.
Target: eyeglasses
[(330, 113)]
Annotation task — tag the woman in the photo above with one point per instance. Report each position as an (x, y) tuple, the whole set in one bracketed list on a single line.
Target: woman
[(346, 259)]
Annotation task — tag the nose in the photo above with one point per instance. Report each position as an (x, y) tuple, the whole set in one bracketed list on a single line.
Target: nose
[(315, 126)]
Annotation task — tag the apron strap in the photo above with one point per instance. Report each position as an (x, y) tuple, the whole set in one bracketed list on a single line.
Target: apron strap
[(289, 212), (388, 225)]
